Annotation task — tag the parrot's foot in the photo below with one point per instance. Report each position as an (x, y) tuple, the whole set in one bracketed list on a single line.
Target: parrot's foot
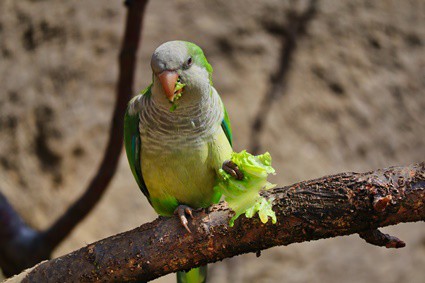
[(233, 169), (183, 210)]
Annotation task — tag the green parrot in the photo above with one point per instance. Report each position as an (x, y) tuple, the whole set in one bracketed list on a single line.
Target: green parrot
[(177, 136)]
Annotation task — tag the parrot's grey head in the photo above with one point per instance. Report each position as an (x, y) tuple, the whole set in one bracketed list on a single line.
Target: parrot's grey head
[(180, 67)]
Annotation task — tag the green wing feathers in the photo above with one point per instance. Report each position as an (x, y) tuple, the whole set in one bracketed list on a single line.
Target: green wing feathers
[(225, 125), (133, 143)]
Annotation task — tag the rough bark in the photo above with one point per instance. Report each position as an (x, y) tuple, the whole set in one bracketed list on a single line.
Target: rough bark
[(331, 206)]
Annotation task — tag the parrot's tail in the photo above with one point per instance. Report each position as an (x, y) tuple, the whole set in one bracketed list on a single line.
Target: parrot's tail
[(195, 275)]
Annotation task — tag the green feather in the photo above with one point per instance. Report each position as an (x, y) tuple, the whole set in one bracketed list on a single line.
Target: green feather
[(225, 125), (199, 58), (195, 275), (133, 143)]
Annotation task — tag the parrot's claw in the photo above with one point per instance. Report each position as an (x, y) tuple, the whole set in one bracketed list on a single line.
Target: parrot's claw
[(233, 169), (181, 211)]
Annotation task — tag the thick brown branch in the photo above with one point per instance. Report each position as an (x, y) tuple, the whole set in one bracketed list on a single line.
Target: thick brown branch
[(327, 207)]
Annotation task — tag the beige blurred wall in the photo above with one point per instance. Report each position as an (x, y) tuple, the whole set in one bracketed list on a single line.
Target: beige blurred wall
[(354, 101)]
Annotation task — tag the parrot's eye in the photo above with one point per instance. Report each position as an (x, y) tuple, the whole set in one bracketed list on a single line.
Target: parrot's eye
[(188, 62)]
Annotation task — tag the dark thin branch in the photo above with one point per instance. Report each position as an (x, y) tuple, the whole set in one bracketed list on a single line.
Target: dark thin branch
[(21, 246), (10, 221), (15, 236), (127, 61), (295, 29), (331, 206)]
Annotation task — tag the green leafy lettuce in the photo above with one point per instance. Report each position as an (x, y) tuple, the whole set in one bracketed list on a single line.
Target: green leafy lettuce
[(243, 195), (178, 90)]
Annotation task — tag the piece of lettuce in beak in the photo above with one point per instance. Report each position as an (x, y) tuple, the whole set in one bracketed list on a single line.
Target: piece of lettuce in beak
[(178, 86), (243, 195)]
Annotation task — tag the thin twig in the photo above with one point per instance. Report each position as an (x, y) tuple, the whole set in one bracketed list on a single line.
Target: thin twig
[(127, 60), (377, 238)]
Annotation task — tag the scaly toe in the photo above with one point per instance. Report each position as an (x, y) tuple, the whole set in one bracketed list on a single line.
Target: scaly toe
[(181, 211), (233, 169)]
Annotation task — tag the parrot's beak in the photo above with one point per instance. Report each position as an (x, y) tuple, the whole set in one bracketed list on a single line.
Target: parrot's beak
[(168, 81)]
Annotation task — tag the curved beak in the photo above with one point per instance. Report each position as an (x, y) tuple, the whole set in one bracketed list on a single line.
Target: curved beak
[(168, 81)]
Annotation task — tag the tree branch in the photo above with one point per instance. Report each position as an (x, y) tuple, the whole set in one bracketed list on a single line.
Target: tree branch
[(331, 206), (15, 236)]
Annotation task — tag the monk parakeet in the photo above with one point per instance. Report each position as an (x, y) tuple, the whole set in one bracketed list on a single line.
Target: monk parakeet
[(178, 135)]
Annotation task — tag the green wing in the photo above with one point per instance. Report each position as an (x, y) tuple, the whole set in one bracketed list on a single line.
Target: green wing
[(225, 125), (133, 142)]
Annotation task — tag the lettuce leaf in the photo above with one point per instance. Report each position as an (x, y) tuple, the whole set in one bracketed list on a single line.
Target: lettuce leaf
[(243, 195), (178, 86)]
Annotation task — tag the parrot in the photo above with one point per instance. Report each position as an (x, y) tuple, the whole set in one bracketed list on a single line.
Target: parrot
[(177, 135)]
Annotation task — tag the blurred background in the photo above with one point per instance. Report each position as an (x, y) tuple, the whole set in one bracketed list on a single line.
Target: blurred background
[(334, 85)]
